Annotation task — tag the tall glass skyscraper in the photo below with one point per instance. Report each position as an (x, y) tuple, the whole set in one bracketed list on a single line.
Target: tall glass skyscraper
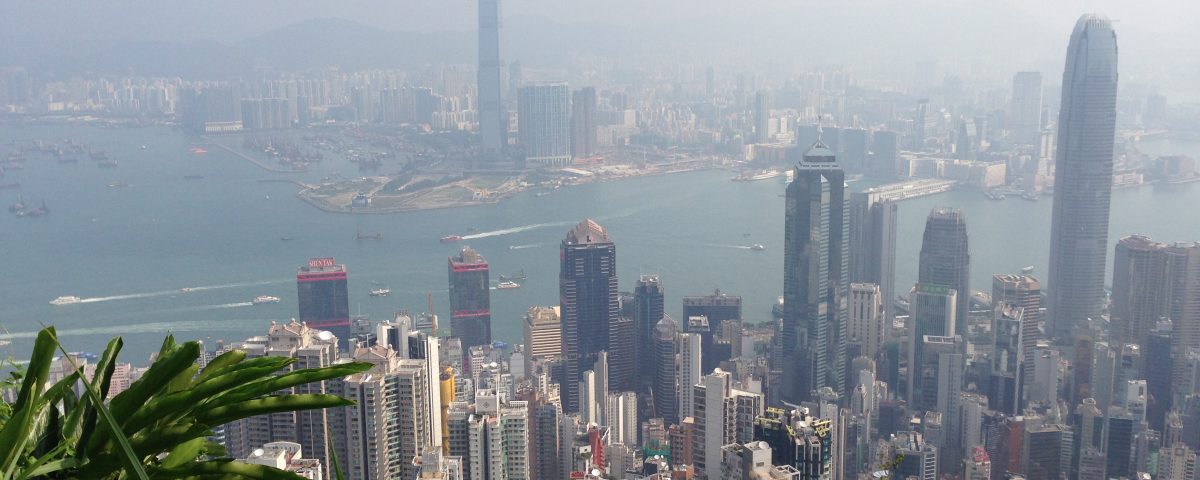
[(544, 124), (816, 276), (492, 124), (470, 299), (587, 289), (945, 259), (1083, 176), (323, 297)]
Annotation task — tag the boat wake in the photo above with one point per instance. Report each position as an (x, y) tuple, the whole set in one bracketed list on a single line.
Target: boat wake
[(510, 231), (522, 247), (165, 293), (739, 247)]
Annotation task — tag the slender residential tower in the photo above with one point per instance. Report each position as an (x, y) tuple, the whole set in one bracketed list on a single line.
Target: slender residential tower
[(1083, 176), (587, 292), (492, 129), (815, 277)]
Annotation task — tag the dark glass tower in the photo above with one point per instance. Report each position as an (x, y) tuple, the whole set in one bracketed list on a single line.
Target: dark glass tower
[(945, 260), (648, 305), (664, 393), (815, 277), (470, 299), (587, 290), (323, 297), (715, 308), (1083, 165), (492, 125)]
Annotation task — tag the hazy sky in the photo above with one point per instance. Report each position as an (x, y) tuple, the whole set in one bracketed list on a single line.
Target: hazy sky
[(1157, 37)]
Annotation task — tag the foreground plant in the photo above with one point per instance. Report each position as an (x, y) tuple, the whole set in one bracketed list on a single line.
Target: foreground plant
[(159, 428)]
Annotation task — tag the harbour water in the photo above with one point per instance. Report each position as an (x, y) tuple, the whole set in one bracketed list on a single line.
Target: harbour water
[(129, 250)]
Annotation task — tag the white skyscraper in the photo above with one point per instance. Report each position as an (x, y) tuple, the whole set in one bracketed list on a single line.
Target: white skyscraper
[(868, 324), (723, 415), (620, 414), (688, 373)]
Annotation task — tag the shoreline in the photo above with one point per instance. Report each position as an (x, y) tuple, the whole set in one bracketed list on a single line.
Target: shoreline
[(325, 207), (258, 163)]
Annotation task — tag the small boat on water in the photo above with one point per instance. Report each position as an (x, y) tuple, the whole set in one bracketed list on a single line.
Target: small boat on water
[(264, 299), (66, 300), (193, 177), (286, 239), (381, 292), (107, 164), (514, 276), (451, 239), (116, 185), (1033, 197), (507, 285), (994, 195), (758, 247)]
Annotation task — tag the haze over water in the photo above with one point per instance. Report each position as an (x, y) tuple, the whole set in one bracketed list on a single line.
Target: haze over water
[(128, 251)]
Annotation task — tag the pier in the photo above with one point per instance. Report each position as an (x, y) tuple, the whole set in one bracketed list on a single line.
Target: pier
[(894, 192)]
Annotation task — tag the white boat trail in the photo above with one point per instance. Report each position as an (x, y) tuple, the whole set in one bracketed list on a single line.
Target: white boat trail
[(166, 293), (522, 247), (509, 231)]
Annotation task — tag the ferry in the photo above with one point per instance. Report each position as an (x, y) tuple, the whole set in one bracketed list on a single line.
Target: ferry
[(451, 239), (381, 292), (507, 285), (264, 299), (766, 174), (66, 300), (758, 247), (187, 289)]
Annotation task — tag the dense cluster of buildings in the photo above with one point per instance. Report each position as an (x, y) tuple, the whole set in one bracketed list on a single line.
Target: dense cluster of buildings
[(855, 377)]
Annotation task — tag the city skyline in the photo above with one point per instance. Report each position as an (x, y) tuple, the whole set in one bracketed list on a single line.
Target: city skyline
[(876, 351)]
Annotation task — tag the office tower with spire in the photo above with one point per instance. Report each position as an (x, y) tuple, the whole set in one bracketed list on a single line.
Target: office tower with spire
[(589, 304), (816, 277), (663, 389), (1025, 111), (1083, 179), (493, 125), (945, 259), (544, 124), (583, 122), (649, 307), (470, 298)]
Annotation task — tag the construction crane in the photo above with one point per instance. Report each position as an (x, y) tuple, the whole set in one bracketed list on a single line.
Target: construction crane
[(432, 316)]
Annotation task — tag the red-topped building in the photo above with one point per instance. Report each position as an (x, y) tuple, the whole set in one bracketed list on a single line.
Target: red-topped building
[(470, 299), (323, 296)]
